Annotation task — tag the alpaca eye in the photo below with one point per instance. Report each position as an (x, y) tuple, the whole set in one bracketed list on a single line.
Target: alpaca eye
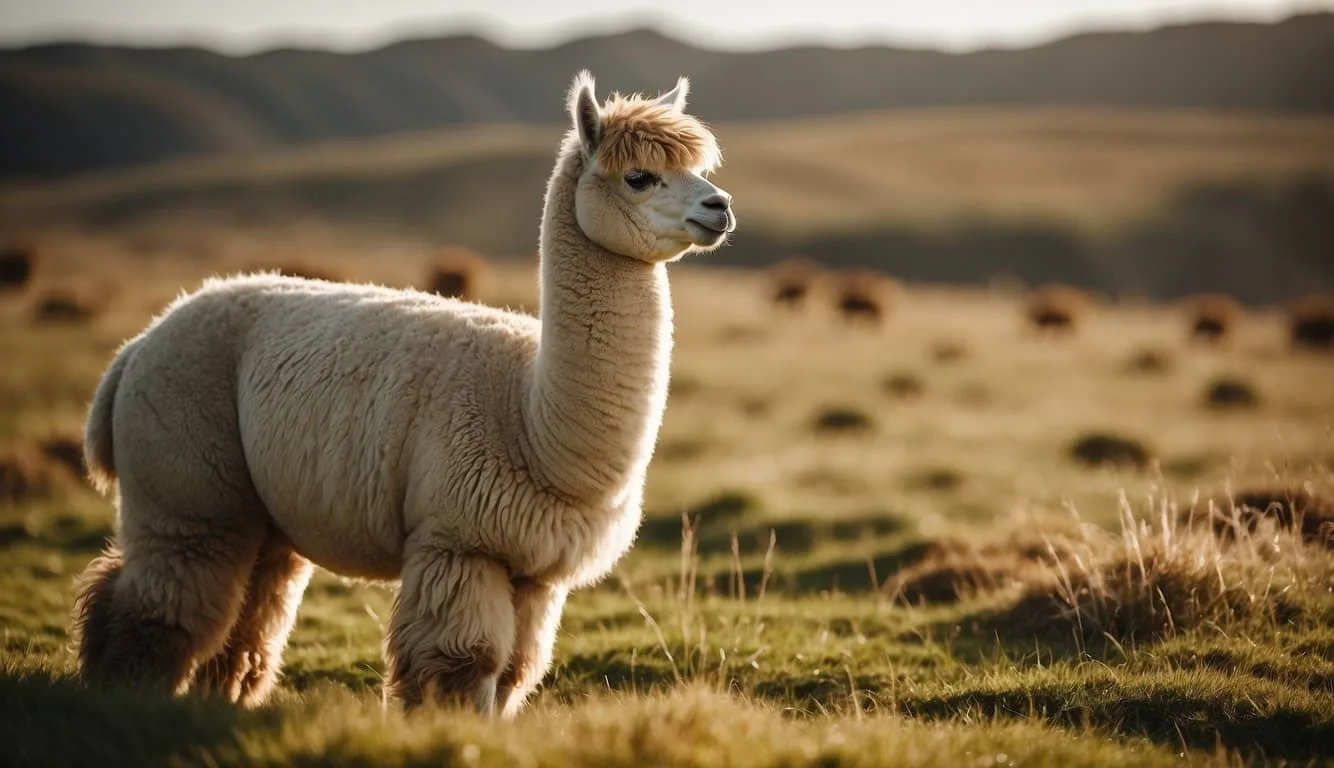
[(640, 180)]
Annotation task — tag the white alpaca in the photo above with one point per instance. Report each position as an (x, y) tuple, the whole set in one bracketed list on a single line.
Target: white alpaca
[(489, 460)]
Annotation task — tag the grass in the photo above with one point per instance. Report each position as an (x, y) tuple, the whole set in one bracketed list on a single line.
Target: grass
[(763, 618)]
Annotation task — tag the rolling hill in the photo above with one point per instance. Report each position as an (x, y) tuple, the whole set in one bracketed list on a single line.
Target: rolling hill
[(1145, 203), (71, 107)]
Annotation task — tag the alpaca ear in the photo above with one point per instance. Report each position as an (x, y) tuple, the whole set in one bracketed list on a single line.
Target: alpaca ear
[(585, 113), (676, 97)]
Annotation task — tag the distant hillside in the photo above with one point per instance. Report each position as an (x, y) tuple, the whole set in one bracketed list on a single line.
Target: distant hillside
[(1145, 203), (70, 108)]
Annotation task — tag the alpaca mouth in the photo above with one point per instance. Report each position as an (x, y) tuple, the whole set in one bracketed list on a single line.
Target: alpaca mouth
[(712, 233)]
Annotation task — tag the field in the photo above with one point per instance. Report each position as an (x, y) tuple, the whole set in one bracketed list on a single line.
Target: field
[(863, 545)]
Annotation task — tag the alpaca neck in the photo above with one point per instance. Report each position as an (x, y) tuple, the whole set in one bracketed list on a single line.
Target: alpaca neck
[(598, 385)]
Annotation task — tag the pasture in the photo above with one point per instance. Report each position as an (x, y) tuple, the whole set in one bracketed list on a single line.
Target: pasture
[(864, 543)]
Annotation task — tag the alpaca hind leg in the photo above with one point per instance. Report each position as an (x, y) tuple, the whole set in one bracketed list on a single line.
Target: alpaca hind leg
[(452, 629), (247, 667), (144, 618), (537, 609)]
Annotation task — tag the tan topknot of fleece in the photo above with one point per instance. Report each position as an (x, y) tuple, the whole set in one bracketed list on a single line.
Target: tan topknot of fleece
[(640, 133)]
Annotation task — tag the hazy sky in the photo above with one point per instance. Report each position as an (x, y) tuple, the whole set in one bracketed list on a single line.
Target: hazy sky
[(244, 25)]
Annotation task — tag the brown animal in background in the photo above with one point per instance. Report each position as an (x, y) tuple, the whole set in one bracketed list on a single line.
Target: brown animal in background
[(1213, 317), (793, 280), (458, 273), (1056, 308), (16, 264), (864, 296), (1311, 322)]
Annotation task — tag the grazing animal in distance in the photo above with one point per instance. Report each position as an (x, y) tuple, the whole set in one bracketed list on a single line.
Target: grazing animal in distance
[(487, 460)]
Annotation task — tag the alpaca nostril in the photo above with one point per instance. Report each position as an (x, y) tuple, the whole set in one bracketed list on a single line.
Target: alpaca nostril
[(718, 202)]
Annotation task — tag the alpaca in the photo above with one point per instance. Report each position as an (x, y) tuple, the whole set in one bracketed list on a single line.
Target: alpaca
[(488, 461)]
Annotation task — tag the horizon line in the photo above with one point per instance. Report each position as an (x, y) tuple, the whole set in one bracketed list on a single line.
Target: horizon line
[(398, 33)]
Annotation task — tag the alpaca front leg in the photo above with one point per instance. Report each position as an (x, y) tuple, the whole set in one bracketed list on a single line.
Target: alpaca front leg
[(452, 629), (537, 609)]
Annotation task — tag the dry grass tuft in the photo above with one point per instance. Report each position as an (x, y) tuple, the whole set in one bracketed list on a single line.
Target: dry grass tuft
[(1229, 393), (864, 296), (840, 419), (792, 281), (458, 273), (1104, 449), (1311, 322), (948, 351), (1213, 316), (17, 263), (62, 307), (955, 569), (1057, 308), (903, 385), (1299, 508), (1149, 361), (25, 476), (66, 450), (1163, 575)]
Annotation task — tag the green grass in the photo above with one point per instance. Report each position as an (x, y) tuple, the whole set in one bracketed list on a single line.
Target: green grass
[(764, 633)]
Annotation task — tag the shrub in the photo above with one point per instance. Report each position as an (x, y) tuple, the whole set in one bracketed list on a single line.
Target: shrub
[(62, 307), (1149, 361), (16, 267), (1230, 393), (903, 384), (840, 419), (1056, 308), (792, 281), (1311, 322), (1161, 576), (24, 477), (1103, 449), (457, 273), (65, 450), (1213, 316), (864, 296)]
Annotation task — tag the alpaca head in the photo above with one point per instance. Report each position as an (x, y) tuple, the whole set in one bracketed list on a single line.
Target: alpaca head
[(642, 190)]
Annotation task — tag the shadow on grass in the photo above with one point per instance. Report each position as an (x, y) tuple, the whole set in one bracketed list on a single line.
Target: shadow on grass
[(50, 720), (1252, 719)]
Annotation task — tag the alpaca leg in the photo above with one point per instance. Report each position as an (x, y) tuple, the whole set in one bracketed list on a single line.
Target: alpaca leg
[(537, 609), (246, 669), (452, 629), (145, 616)]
